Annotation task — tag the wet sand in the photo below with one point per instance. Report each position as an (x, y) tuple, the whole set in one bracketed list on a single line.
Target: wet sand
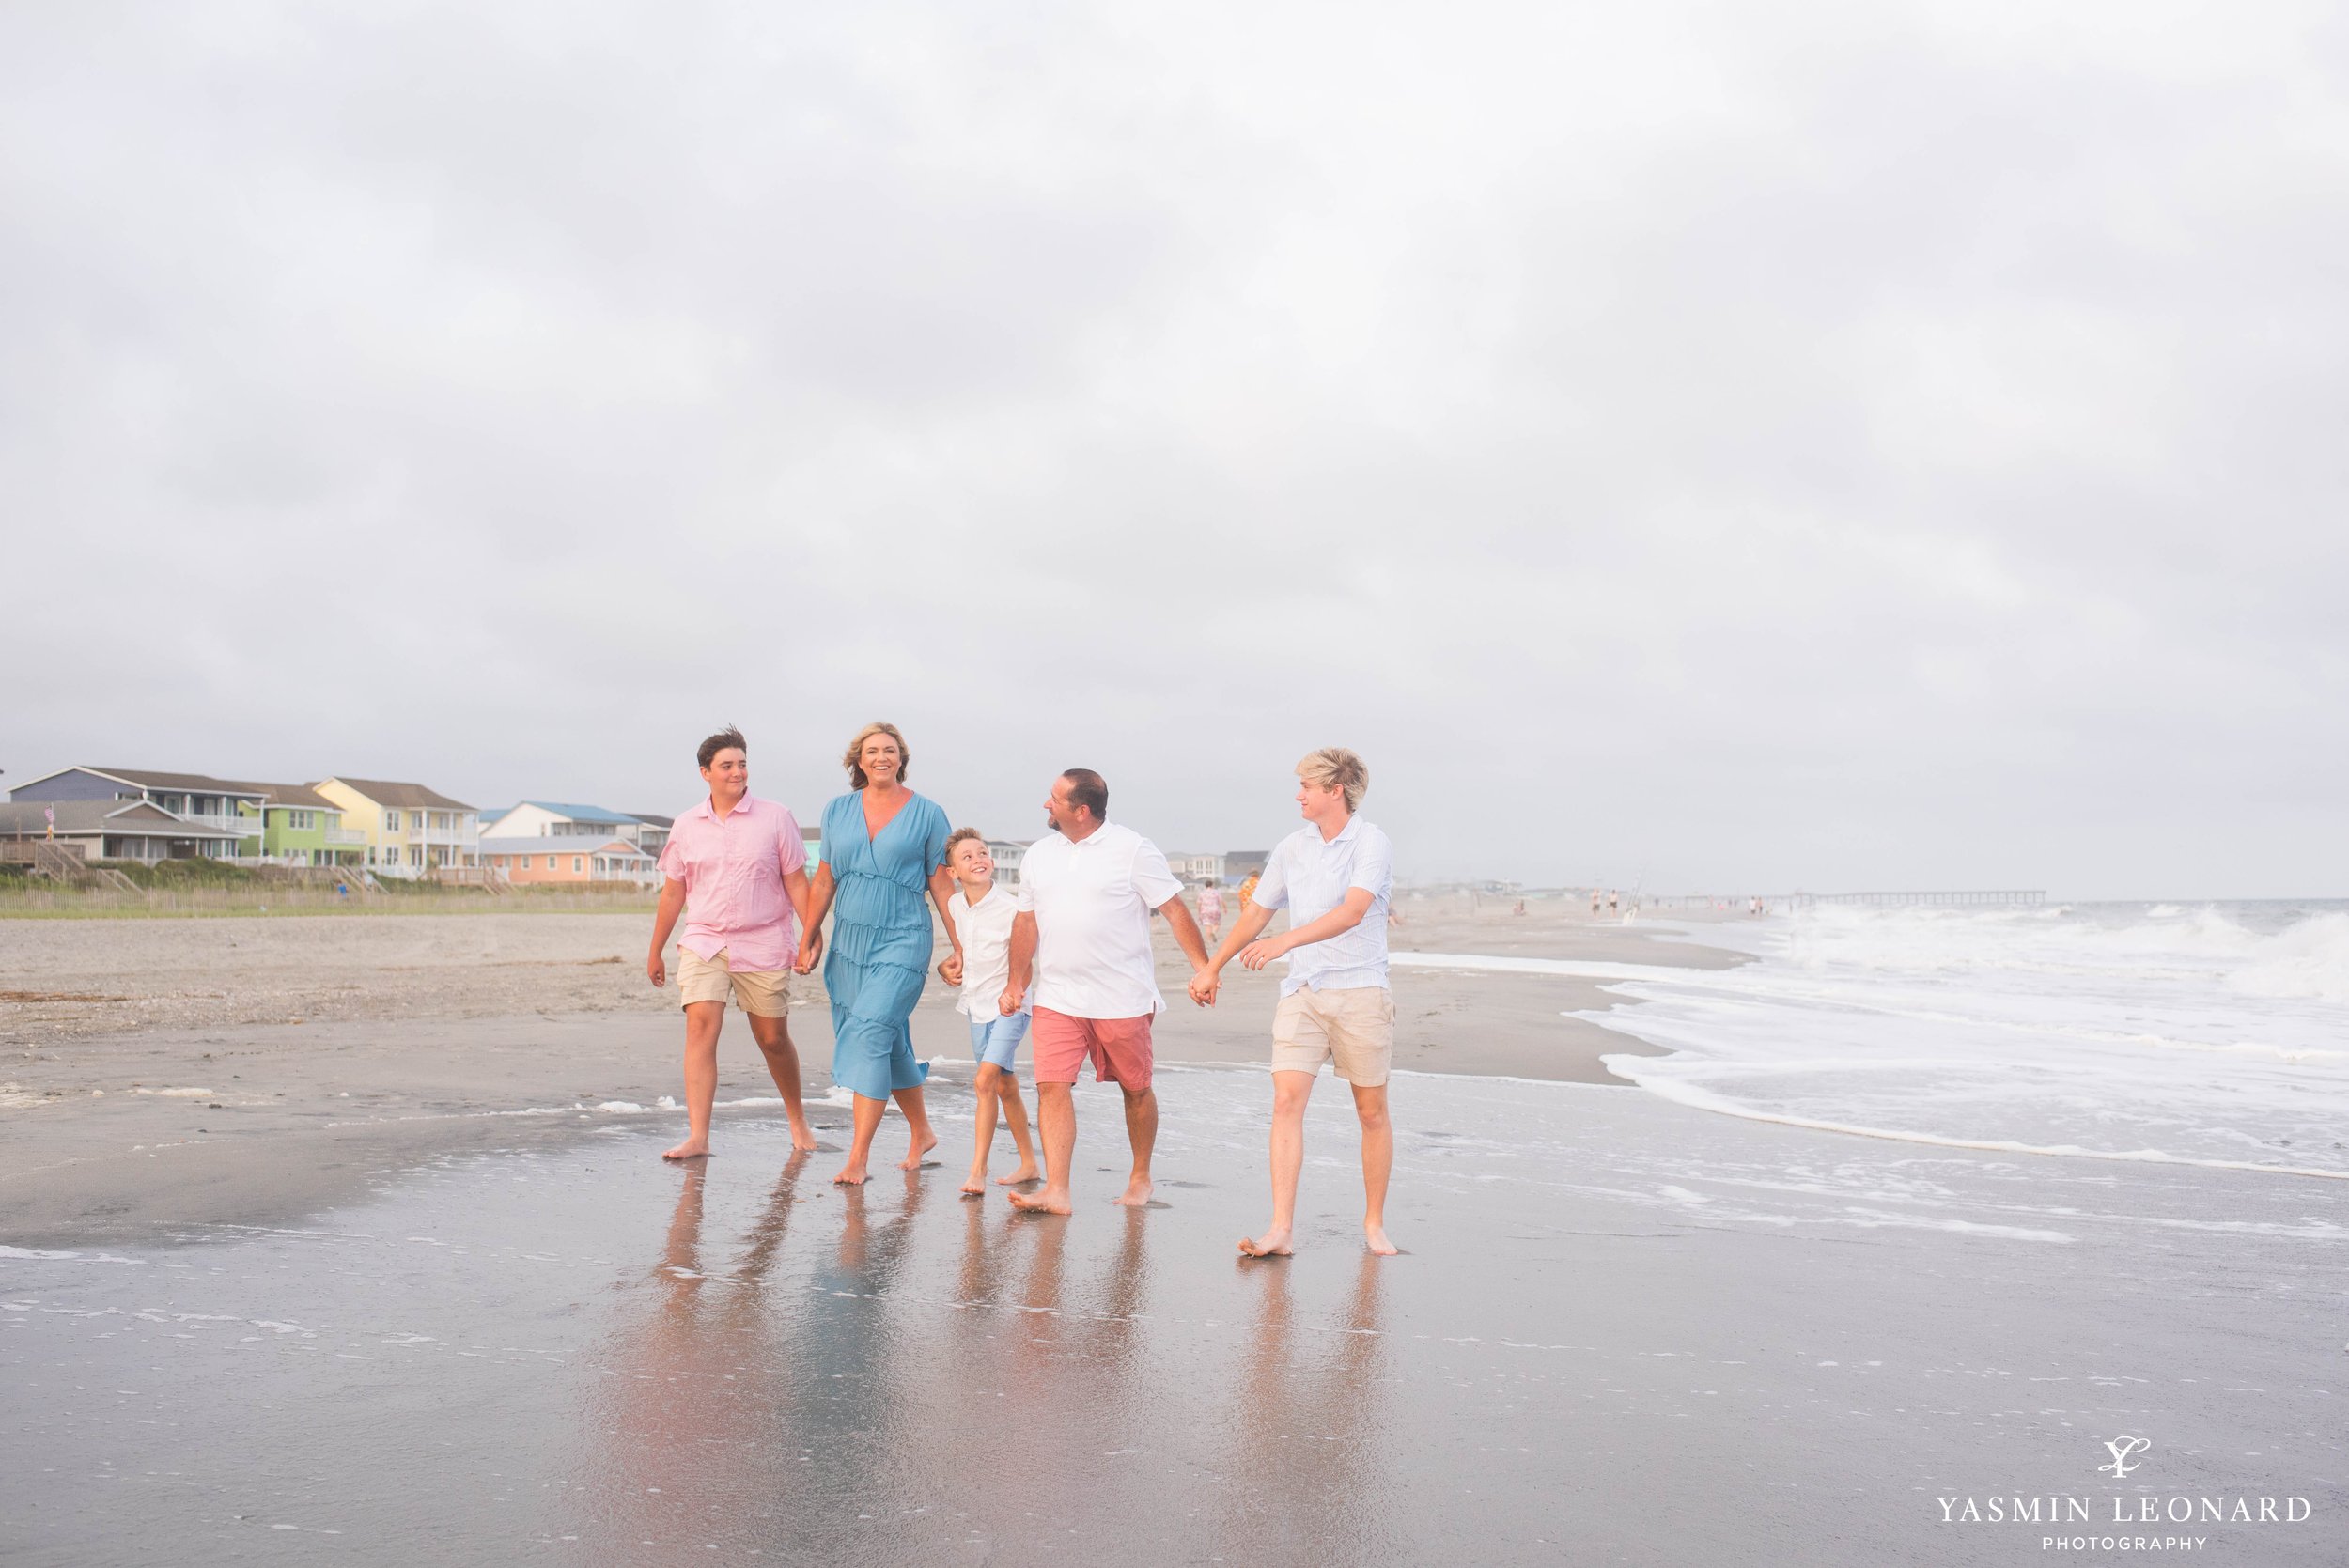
[(418, 1036), (407, 1283), (1623, 1332)]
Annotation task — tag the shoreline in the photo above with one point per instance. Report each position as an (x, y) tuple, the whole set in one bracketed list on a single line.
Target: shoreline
[(309, 1059)]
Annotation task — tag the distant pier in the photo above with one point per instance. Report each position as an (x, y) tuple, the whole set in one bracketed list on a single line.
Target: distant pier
[(2004, 898)]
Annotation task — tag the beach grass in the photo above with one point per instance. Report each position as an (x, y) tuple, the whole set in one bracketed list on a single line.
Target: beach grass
[(201, 889)]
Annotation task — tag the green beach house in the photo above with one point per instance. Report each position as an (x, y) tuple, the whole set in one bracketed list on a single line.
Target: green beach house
[(297, 826)]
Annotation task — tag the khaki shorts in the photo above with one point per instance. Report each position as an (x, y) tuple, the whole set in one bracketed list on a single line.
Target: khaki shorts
[(765, 992), (1355, 1028)]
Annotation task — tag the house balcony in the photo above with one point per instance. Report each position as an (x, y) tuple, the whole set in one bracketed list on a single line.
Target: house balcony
[(345, 838)]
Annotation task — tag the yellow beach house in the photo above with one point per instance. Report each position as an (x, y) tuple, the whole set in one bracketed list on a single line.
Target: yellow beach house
[(412, 831)]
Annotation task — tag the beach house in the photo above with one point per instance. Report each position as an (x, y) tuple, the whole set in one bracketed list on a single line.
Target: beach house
[(109, 830), (297, 826), (564, 819), (1241, 864), (569, 857), (216, 806), (1195, 868), (412, 831)]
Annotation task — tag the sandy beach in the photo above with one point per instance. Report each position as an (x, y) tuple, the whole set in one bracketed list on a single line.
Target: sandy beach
[(231, 1069), (419, 1243)]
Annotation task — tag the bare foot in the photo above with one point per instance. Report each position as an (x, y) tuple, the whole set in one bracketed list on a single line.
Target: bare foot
[(1136, 1194), (692, 1148), (914, 1156), (850, 1175), (1045, 1201), (1274, 1243), (1375, 1235), (802, 1139), (1026, 1172), (976, 1186)]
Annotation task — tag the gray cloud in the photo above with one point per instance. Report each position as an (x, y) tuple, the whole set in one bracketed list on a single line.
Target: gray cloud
[(1808, 445)]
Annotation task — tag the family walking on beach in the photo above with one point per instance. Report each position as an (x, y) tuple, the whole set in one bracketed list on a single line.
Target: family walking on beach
[(1066, 959)]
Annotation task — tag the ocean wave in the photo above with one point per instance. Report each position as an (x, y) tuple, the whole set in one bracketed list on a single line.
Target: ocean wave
[(2204, 1035), (1682, 1093)]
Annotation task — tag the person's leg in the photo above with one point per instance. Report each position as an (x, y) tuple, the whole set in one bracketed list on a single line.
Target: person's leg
[(773, 1034), (1121, 1055), (1142, 1132), (918, 1120), (1362, 1038), (868, 1121), (1370, 1105), (1291, 1092), (1016, 1117), (983, 1144), (1056, 1117), (703, 1022)]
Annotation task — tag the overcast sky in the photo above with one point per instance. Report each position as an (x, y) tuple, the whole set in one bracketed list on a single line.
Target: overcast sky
[(1746, 446)]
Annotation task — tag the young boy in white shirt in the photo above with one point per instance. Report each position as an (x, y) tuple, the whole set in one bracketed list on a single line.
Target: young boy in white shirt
[(983, 915)]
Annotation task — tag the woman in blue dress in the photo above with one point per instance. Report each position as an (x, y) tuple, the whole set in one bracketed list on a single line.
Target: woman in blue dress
[(884, 846)]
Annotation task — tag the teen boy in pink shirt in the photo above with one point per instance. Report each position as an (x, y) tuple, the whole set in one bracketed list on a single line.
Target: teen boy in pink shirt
[(734, 868)]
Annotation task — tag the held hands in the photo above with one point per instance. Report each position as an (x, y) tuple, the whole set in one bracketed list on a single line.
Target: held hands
[(654, 971), (1009, 1002), (811, 948), (1256, 955), (951, 970), (1205, 985)]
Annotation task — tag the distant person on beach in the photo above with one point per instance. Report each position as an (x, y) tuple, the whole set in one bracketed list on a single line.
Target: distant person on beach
[(1334, 877), (1610, 901), (1247, 889), (1083, 936), (734, 868), (1211, 912), (982, 915), (1594, 903), (884, 846)]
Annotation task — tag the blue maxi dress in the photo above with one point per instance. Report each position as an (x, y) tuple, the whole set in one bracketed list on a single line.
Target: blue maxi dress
[(880, 940)]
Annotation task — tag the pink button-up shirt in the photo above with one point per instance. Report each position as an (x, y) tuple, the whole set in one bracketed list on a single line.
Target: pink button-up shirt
[(732, 873)]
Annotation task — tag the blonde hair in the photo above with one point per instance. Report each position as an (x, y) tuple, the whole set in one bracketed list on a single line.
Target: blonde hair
[(957, 836), (856, 774), (1335, 768)]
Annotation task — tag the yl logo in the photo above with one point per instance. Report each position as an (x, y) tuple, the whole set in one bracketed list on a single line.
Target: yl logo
[(2123, 1450)]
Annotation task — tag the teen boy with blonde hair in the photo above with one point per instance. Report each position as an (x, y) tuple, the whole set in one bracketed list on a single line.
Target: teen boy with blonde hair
[(1334, 877)]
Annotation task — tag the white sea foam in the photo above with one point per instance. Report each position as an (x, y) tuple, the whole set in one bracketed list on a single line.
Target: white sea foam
[(2214, 1036), (1579, 969)]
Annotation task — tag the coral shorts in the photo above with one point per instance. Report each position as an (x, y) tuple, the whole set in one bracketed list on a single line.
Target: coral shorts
[(1119, 1048)]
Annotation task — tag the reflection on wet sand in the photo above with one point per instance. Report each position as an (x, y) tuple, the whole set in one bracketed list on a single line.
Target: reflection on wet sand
[(690, 1421), (1082, 1412), (1314, 1481)]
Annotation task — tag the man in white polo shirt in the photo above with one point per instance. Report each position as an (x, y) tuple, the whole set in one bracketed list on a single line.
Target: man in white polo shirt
[(1334, 877), (1082, 935)]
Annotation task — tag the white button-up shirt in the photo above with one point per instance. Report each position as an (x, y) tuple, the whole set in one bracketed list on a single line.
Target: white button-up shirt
[(1092, 902), (1310, 878), (985, 931)]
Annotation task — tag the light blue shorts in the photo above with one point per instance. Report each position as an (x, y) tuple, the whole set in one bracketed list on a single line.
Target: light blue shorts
[(997, 1039)]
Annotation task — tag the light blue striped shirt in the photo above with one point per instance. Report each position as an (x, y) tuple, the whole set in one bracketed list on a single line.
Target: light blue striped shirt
[(1309, 878)]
